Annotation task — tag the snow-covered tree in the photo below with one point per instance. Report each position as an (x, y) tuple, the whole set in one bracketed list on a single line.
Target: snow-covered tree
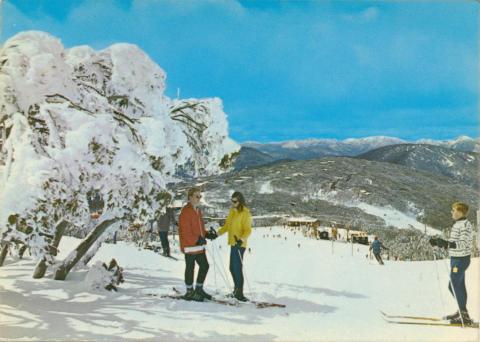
[(79, 122)]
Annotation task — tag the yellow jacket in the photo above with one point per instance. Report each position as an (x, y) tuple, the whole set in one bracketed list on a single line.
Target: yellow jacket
[(239, 224)]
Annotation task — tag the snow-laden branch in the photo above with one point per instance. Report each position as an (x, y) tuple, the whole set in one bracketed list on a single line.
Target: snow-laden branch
[(83, 122)]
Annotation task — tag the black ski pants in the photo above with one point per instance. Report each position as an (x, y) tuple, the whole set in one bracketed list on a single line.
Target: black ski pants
[(164, 241), (379, 258), (201, 260)]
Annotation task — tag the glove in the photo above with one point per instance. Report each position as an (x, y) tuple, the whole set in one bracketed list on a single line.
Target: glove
[(211, 234), (238, 243), (201, 241), (442, 243)]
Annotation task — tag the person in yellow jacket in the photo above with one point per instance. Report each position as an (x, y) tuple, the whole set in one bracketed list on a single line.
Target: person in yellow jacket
[(239, 227)]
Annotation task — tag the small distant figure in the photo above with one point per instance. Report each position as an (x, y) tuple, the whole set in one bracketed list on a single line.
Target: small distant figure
[(249, 250), (95, 204), (298, 245), (164, 222), (334, 232), (377, 247), (285, 238)]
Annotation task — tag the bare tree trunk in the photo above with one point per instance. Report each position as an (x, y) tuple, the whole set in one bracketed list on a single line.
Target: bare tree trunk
[(72, 259), (40, 269), (3, 253), (59, 230), (21, 251), (92, 251)]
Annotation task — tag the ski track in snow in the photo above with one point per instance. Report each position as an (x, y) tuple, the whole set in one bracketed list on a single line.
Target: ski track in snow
[(390, 215), (332, 292)]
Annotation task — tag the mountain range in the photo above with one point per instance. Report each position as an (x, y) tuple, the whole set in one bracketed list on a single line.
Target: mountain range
[(343, 190), (318, 148), (461, 166)]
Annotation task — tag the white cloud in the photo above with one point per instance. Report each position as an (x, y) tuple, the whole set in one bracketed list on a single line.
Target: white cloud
[(367, 15)]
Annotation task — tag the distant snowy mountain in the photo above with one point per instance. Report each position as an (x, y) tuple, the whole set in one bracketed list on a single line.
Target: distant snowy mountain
[(462, 144), (251, 157), (461, 166), (317, 148)]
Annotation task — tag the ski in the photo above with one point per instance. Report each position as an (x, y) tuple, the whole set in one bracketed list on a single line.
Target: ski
[(234, 302), (181, 297), (430, 323), (263, 305), (169, 257), (433, 319), (213, 300)]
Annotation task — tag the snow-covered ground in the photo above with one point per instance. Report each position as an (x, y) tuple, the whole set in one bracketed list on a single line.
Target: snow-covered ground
[(332, 293)]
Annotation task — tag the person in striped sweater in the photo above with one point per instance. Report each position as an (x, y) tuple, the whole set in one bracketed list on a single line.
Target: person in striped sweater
[(459, 246)]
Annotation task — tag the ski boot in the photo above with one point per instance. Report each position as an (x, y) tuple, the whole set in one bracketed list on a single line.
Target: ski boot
[(239, 296), (463, 318), (189, 294), (201, 293), (452, 316)]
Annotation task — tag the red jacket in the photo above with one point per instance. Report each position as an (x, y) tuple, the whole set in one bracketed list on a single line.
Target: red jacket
[(190, 228)]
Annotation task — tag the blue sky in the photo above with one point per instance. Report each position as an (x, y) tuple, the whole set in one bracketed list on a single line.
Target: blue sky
[(294, 69)]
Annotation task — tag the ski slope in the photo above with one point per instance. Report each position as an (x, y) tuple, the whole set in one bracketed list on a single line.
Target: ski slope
[(332, 292)]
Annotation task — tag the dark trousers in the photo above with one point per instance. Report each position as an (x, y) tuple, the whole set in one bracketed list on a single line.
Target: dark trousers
[(164, 241), (236, 266), (379, 258), (458, 266), (201, 260)]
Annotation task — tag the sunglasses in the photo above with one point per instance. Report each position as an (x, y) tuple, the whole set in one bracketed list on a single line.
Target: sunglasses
[(198, 196), (234, 201)]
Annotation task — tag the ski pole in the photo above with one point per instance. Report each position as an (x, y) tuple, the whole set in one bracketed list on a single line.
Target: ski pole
[(245, 275), (241, 261), (214, 267), (215, 264), (223, 272), (453, 290), (438, 280)]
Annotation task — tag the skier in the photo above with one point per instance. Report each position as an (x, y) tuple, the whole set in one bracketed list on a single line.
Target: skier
[(334, 232), (459, 247), (163, 226), (239, 227), (192, 235), (377, 247)]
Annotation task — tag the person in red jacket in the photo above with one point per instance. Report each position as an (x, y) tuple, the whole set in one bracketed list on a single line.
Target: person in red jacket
[(192, 243)]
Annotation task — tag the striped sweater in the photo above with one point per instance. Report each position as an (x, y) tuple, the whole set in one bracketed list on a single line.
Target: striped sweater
[(462, 235)]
